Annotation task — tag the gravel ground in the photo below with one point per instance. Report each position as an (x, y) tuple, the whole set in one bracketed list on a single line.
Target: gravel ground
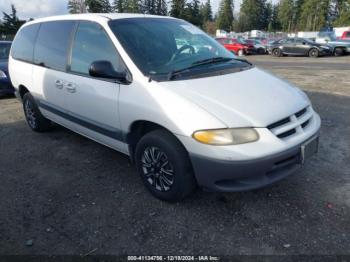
[(63, 194)]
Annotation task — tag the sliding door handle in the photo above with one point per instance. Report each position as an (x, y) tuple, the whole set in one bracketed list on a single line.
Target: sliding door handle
[(71, 88), (59, 84)]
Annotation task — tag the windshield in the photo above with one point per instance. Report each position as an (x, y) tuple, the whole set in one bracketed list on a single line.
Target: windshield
[(308, 41), (162, 45), (5, 50)]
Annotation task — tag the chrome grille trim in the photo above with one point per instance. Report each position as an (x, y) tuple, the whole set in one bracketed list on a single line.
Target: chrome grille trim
[(292, 125)]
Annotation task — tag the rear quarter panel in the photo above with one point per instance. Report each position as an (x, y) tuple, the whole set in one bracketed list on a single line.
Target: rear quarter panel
[(20, 73)]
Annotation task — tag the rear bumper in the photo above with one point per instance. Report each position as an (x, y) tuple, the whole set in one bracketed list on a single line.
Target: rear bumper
[(235, 176), (6, 87)]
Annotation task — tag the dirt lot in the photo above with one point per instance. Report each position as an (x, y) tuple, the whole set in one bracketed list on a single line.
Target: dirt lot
[(63, 194)]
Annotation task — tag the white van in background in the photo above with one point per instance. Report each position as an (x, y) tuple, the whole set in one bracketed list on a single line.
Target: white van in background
[(186, 116)]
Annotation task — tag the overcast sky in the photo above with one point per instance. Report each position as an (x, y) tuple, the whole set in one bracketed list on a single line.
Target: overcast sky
[(41, 8)]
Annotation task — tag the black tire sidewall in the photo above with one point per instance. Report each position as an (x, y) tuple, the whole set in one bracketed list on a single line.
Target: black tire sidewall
[(41, 124), (338, 51), (317, 53), (276, 52), (184, 181)]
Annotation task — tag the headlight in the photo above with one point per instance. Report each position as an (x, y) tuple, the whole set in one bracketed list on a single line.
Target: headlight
[(223, 137), (2, 74)]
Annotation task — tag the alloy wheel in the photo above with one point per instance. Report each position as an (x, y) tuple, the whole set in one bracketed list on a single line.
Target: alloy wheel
[(30, 114), (157, 169)]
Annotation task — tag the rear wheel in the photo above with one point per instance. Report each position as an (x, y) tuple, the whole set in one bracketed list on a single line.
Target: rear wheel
[(277, 52), (338, 51), (164, 166), (36, 121), (314, 53)]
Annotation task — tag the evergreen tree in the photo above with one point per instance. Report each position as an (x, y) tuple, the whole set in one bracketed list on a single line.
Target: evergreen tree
[(11, 23), (133, 6), (193, 14), (76, 6), (98, 6), (254, 14), (155, 7), (161, 7), (341, 13), (118, 6), (314, 15), (286, 15), (225, 16), (178, 9), (206, 12)]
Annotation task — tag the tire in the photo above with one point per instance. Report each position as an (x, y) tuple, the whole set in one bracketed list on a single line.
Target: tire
[(338, 51), (36, 121), (314, 53), (170, 182), (277, 52), (240, 52)]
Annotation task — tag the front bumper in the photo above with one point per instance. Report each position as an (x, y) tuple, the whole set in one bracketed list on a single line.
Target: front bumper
[(235, 176), (325, 52)]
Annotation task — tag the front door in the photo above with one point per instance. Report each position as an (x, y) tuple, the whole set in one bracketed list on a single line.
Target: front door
[(92, 103)]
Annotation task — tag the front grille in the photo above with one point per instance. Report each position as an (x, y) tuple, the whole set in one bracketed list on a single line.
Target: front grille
[(293, 124)]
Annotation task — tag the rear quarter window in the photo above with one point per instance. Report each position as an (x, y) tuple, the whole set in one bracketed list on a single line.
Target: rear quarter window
[(52, 44), (23, 45)]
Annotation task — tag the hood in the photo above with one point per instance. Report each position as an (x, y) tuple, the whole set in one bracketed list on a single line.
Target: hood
[(252, 98)]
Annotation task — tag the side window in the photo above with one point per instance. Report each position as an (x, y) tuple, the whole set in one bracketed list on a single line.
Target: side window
[(23, 45), (92, 44), (52, 44)]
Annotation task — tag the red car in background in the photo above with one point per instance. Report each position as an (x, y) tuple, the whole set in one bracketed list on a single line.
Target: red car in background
[(237, 46), (345, 35)]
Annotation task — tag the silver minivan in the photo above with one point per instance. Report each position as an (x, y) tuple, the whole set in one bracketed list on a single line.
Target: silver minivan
[(187, 111)]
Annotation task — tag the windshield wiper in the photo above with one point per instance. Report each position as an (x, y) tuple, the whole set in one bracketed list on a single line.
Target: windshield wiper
[(213, 60)]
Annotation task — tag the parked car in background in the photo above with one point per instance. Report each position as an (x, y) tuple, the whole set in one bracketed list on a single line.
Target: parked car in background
[(260, 48), (338, 47), (6, 87), (298, 47), (186, 119), (345, 35), (264, 41), (237, 46)]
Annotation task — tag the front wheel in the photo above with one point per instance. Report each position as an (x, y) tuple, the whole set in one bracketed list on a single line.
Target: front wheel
[(36, 121), (164, 166), (314, 53), (277, 52)]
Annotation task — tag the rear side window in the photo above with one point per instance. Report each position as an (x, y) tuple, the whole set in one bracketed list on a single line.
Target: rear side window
[(52, 44), (23, 45), (92, 44)]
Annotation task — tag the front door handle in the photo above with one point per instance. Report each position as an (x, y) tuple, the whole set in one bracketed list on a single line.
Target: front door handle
[(59, 84), (71, 88)]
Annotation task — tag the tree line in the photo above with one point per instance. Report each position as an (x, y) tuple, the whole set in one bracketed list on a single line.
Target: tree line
[(10, 22), (285, 15)]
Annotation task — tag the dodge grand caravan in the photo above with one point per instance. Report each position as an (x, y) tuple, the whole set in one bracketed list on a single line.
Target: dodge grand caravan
[(187, 115)]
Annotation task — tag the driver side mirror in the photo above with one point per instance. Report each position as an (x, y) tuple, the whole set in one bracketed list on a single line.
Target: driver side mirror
[(304, 43), (105, 69)]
